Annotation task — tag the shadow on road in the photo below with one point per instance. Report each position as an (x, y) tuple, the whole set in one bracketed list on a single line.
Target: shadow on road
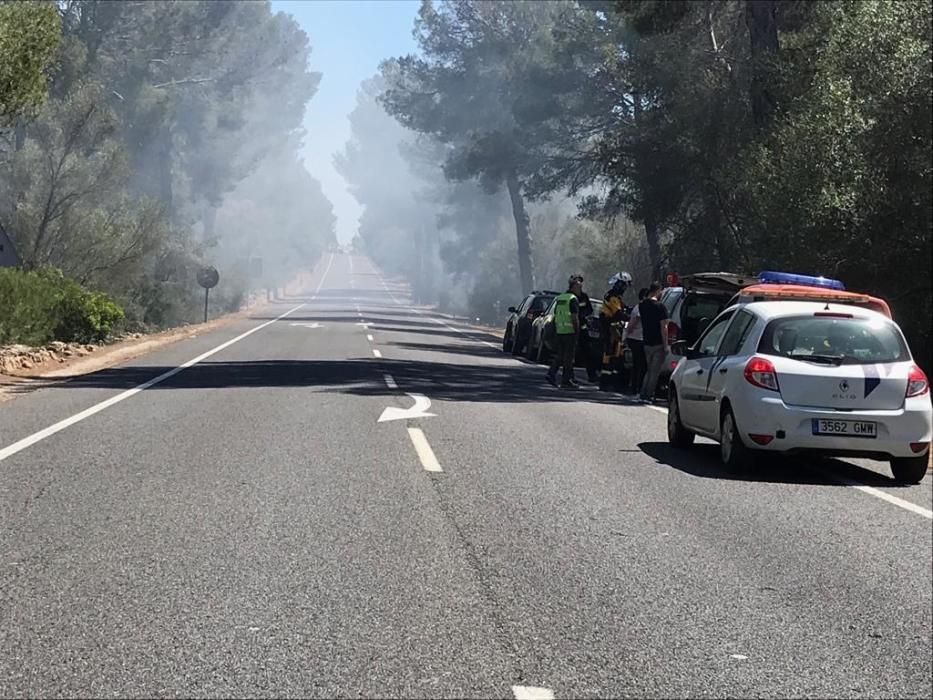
[(468, 350), (441, 381), (702, 460)]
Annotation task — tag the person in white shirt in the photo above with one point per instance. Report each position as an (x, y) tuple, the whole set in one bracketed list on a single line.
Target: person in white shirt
[(634, 339)]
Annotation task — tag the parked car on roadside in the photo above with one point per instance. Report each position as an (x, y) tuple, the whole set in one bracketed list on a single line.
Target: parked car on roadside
[(541, 342), (790, 376), (518, 326)]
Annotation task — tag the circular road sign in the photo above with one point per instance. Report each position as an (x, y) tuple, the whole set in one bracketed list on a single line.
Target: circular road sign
[(208, 277)]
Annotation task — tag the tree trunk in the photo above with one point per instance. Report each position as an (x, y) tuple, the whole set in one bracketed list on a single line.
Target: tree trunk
[(653, 237), (164, 156), (761, 20), (522, 233)]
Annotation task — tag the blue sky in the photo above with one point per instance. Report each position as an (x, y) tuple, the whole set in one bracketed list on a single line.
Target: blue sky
[(348, 40)]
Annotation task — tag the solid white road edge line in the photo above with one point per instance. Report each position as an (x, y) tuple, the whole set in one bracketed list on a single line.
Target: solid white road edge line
[(529, 692), (884, 496), (21, 445), (376, 353), (425, 453), (871, 490), (31, 440)]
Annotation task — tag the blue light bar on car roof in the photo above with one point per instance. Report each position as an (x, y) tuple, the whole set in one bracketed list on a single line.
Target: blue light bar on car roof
[(770, 277)]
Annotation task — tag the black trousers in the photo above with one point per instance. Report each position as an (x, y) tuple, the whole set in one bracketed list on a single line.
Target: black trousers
[(565, 352), (591, 351)]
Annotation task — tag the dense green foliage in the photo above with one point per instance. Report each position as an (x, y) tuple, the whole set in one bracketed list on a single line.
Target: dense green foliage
[(163, 122), (739, 134), (29, 36), (43, 305)]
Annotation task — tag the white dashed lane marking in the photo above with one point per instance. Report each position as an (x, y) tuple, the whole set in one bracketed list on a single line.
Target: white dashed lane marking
[(530, 692), (423, 448)]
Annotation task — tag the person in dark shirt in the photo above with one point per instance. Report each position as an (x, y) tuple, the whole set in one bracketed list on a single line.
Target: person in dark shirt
[(586, 346), (653, 318)]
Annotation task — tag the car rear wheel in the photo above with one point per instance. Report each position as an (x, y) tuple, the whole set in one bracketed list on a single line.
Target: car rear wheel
[(735, 455), (909, 470), (518, 343), (542, 355), (507, 340), (532, 352), (677, 434)]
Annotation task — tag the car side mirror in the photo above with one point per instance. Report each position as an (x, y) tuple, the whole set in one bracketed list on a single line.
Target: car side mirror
[(512, 310), (680, 348)]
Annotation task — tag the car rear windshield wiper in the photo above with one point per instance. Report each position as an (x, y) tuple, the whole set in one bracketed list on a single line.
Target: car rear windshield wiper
[(822, 359)]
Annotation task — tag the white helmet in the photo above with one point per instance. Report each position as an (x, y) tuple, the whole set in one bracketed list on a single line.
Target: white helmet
[(620, 277)]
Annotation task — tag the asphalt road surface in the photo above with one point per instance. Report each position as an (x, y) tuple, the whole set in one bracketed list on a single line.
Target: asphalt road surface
[(228, 516)]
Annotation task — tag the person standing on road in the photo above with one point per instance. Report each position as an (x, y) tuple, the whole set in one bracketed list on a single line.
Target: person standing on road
[(585, 342), (611, 317), (566, 330), (634, 339), (654, 332)]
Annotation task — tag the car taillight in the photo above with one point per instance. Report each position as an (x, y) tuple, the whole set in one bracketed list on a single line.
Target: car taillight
[(761, 373), (917, 383), (673, 332)]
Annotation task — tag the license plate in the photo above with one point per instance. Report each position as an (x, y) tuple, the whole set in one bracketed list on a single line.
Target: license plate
[(849, 428)]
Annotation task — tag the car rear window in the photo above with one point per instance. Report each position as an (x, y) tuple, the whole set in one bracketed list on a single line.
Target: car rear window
[(834, 340), (669, 298), (698, 307)]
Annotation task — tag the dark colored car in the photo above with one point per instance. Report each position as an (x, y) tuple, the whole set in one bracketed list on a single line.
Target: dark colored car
[(540, 344), (518, 327)]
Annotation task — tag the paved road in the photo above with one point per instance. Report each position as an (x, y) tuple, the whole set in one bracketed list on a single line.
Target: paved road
[(246, 526)]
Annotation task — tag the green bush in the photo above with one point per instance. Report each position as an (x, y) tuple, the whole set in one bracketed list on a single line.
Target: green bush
[(39, 306), (86, 317)]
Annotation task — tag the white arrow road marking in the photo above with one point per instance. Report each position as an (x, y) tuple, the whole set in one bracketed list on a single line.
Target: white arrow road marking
[(307, 325), (530, 692), (419, 410), (425, 453)]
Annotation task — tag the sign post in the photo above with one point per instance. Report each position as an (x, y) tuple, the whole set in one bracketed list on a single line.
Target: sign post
[(208, 277)]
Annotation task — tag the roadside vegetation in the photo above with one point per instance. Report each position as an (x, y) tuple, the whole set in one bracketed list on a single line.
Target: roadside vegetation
[(40, 306), (140, 141), (528, 140)]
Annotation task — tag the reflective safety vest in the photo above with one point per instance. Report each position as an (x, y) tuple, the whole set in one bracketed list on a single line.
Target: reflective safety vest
[(563, 318)]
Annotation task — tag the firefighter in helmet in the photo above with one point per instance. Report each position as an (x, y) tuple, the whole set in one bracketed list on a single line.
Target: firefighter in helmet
[(612, 319)]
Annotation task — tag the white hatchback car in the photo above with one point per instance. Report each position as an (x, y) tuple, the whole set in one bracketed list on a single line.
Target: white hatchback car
[(788, 376)]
